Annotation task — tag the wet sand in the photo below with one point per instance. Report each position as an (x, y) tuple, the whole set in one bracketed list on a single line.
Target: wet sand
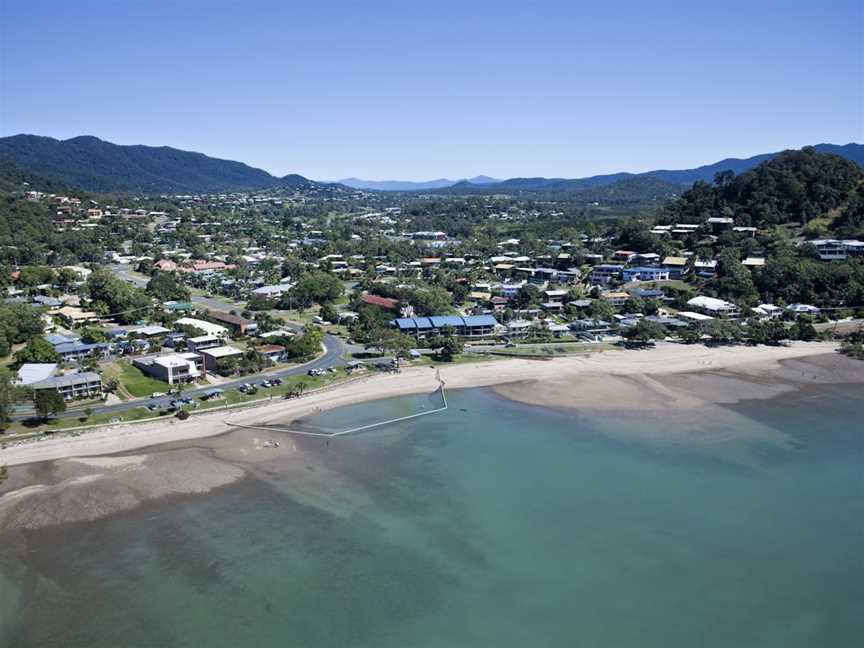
[(70, 484)]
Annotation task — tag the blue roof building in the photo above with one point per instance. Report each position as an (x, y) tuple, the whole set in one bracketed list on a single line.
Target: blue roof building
[(465, 326)]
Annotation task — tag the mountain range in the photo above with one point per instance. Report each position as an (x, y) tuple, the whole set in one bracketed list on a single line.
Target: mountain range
[(96, 165), (408, 185), (676, 178), (93, 164)]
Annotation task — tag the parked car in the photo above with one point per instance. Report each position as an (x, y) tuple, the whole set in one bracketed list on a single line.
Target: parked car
[(276, 381), (157, 395)]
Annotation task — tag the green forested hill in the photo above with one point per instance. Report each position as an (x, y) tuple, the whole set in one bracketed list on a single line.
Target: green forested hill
[(795, 187), (95, 165)]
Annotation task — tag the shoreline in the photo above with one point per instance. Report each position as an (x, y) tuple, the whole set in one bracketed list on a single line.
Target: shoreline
[(618, 380), (82, 478)]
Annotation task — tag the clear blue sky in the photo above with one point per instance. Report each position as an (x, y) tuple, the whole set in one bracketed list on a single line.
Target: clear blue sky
[(412, 90)]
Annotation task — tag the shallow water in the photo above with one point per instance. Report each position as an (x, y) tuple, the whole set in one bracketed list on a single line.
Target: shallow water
[(490, 524)]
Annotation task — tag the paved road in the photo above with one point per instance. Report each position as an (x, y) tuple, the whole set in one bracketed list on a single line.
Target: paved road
[(125, 273), (332, 357), (334, 350)]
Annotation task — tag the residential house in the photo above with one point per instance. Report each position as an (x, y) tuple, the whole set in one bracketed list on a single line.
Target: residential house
[(77, 351), (645, 273), (273, 352), (716, 307), (33, 372), (834, 250), (719, 224), (705, 268), (173, 368), (803, 309), (86, 384), (273, 292), (74, 316), (212, 357), (677, 266), (380, 302), (240, 325), (602, 274), (201, 342), (768, 312), (208, 328), (615, 298)]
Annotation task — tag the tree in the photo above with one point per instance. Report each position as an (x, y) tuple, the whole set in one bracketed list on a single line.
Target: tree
[(38, 350), (689, 336), (770, 333), (4, 474), (450, 348), (723, 331), (645, 331), (528, 295), (601, 309), (165, 286), (853, 346), (313, 287), (48, 402), (803, 330), (8, 395), (329, 314), (112, 296), (67, 278), (92, 334), (259, 303), (182, 414)]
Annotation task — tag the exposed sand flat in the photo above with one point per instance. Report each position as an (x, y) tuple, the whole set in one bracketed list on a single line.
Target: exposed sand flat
[(591, 380), (66, 482), (78, 491)]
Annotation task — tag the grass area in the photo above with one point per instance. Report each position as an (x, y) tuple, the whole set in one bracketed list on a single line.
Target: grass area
[(552, 349), (462, 358), (304, 317), (20, 430), (670, 283), (135, 382), (9, 359), (24, 430)]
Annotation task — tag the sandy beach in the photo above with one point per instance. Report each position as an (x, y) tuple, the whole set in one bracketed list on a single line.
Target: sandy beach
[(668, 376), (63, 479)]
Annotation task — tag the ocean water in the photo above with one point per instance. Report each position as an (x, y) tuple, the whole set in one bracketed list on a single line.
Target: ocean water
[(490, 524)]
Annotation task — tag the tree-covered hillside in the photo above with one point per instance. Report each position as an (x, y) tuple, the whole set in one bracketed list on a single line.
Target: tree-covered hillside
[(795, 187), (95, 165)]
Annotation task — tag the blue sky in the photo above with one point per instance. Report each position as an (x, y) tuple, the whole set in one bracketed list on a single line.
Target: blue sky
[(410, 90)]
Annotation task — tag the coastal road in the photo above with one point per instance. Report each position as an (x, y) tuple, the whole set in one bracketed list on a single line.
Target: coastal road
[(332, 357), (334, 348)]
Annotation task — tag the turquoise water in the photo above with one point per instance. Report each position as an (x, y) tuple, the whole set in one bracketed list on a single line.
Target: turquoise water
[(491, 524)]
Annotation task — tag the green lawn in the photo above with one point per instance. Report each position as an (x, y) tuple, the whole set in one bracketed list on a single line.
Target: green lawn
[(671, 283), (135, 382), (552, 349)]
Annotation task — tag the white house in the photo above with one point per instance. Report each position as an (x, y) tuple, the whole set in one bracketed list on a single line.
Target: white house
[(717, 307)]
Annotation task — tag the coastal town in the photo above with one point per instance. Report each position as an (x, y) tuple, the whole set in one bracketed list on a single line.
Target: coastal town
[(451, 325), (181, 302)]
